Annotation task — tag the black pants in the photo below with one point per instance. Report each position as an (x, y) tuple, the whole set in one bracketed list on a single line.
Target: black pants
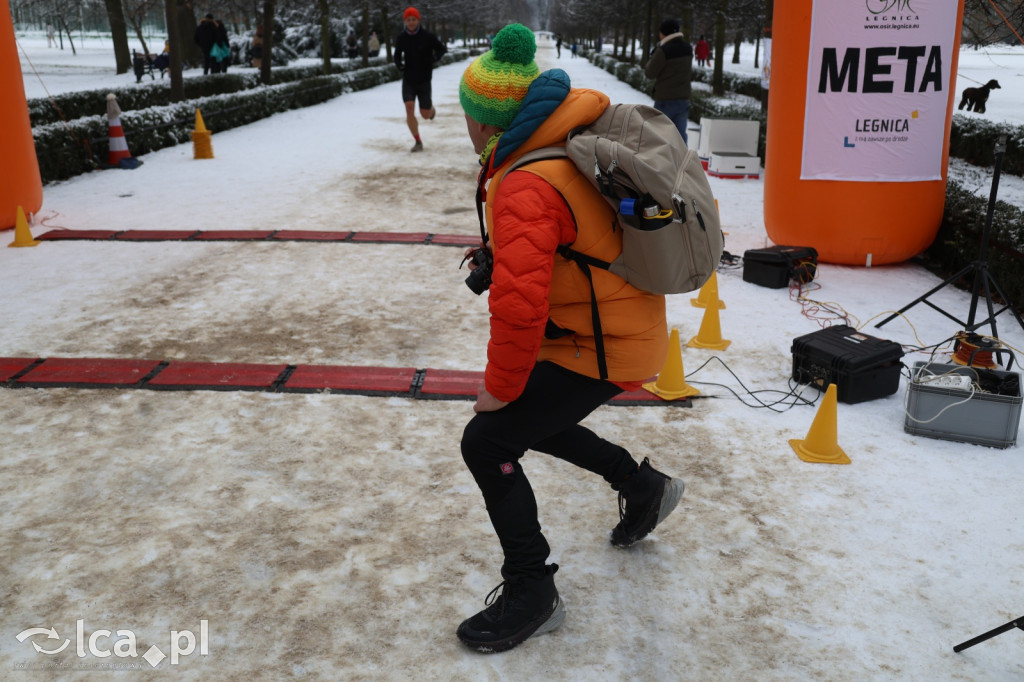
[(544, 418)]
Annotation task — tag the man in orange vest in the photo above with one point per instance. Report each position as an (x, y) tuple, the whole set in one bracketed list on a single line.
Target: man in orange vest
[(542, 376)]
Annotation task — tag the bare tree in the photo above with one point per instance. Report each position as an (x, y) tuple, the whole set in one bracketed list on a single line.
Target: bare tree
[(268, 40), (119, 34), (136, 12), (174, 50)]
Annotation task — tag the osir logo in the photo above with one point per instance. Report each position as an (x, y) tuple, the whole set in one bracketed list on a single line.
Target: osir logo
[(886, 6)]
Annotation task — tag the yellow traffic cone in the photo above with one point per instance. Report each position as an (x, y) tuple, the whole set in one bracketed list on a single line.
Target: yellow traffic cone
[(671, 382), (22, 235), (710, 333), (821, 444), (708, 294), (202, 146)]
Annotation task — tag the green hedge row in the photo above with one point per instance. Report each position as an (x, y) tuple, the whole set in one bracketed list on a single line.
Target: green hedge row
[(958, 239), (72, 105), (66, 149)]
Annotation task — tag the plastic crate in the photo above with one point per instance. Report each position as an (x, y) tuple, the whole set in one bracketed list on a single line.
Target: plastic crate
[(985, 419)]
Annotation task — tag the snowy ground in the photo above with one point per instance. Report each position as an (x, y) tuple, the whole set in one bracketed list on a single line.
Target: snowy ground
[(339, 537)]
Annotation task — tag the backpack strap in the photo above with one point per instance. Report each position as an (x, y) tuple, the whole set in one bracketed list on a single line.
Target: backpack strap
[(542, 154), (584, 261)]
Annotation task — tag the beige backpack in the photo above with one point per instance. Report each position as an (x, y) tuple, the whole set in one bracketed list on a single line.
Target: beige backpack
[(633, 154)]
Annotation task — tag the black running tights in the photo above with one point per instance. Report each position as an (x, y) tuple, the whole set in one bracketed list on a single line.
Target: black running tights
[(544, 418)]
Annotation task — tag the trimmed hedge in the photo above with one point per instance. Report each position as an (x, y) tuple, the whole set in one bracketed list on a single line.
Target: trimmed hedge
[(958, 240), (66, 149), (72, 105)]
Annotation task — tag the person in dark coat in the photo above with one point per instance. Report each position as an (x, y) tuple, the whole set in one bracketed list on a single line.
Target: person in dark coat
[(416, 52), (670, 67), (205, 37), (222, 40)]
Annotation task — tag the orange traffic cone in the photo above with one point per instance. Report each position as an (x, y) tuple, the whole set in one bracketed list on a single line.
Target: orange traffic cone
[(708, 294), (671, 382), (22, 235), (821, 444), (119, 155), (202, 145), (710, 333)]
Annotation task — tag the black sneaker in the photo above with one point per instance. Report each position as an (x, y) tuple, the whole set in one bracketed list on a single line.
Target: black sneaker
[(525, 608), (418, 147), (645, 499)]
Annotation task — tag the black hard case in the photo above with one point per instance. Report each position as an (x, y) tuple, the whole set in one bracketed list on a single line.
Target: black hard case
[(775, 266), (862, 367)]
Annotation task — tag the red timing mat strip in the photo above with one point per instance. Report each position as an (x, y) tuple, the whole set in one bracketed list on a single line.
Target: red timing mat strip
[(408, 382), (263, 235)]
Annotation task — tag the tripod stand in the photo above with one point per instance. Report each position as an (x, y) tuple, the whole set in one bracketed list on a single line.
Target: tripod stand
[(984, 282), (1019, 623)]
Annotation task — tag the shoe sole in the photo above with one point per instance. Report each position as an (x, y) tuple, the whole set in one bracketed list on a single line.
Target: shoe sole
[(552, 622), (670, 496)]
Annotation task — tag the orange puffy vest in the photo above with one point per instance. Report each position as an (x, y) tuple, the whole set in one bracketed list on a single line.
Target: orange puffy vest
[(633, 323)]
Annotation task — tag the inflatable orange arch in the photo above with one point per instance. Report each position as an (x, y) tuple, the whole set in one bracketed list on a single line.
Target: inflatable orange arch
[(20, 183), (851, 222)]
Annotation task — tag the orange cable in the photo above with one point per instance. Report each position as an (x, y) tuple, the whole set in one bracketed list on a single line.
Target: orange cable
[(1005, 20)]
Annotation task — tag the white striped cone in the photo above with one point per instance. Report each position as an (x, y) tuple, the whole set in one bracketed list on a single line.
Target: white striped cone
[(118, 145)]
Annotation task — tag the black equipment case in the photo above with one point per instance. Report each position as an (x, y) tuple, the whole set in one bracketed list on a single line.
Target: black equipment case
[(862, 367), (775, 266)]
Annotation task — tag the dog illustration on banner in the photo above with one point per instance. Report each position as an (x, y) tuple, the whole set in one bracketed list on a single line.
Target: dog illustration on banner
[(974, 98)]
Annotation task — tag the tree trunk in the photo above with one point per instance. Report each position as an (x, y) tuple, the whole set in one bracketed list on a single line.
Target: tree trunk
[(188, 51), (137, 27), (268, 40), (717, 81), (174, 50), (769, 10), (119, 34), (366, 33), (648, 23), (385, 36), (67, 32), (325, 35)]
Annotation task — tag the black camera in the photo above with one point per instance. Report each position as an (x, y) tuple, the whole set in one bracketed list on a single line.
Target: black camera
[(479, 279)]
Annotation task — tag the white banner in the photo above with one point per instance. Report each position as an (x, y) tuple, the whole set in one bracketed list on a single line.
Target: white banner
[(877, 89)]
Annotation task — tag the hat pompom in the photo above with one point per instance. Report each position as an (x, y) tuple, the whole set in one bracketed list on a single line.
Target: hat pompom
[(514, 44)]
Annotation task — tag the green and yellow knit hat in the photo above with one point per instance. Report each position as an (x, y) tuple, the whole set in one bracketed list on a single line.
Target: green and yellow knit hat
[(495, 84)]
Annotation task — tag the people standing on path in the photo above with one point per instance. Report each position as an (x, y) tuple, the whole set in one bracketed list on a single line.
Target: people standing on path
[(373, 46), (256, 50), (416, 52), (223, 47), (558, 45), (670, 67), (702, 51), (543, 372), (205, 37), (51, 37)]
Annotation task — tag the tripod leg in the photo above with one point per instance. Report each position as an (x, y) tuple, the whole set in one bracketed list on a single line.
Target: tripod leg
[(1018, 623), (923, 297), (999, 290)]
